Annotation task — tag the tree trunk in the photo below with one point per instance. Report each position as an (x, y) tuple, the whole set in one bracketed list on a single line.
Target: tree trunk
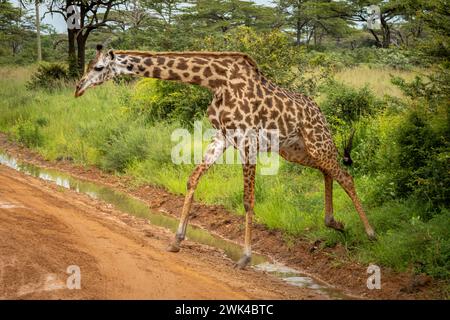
[(81, 50), (38, 31), (379, 44), (73, 66), (386, 33), (299, 33), (310, 34), (315, 36)]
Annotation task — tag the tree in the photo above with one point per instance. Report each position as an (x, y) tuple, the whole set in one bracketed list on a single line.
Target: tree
[(311, 19), (15, 27), (93, 14), (220, 16), (393, 13), (163, 14)]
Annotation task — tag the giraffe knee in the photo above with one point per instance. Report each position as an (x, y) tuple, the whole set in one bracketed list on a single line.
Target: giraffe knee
[(248, 206), (189, 183)]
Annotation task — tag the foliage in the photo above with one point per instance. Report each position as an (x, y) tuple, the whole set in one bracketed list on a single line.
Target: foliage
[(345, 105), (394, 58), (433, 89), (16, 35), (124, 146), (313, 19), (345, 109), (156, 100), (29, 133), (420, 159), (220, 16), (420, 146), (49, 76)]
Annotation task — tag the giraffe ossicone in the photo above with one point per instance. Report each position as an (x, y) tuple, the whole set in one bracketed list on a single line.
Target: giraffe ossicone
[(243, 98)]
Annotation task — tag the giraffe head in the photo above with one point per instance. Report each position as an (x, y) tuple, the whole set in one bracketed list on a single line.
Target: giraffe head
[(102, 68)]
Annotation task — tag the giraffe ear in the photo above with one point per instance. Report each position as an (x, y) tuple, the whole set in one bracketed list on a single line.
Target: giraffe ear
[(111, 54)]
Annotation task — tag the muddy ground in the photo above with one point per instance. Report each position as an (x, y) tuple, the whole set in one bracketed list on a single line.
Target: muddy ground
[(44, 229)]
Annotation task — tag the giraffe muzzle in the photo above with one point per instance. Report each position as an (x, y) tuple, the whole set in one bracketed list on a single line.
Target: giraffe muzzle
[(79, 90)]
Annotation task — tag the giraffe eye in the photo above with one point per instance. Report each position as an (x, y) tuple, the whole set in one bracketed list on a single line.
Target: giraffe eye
[(99, 68)]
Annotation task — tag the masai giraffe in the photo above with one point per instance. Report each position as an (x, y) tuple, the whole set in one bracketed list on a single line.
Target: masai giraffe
[(243, 98)]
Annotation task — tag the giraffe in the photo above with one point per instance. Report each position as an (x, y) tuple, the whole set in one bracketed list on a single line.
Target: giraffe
[(243, 98)]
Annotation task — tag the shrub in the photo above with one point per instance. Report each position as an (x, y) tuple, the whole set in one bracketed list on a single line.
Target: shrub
[(344, 105), (123, 148), (417, 159), (29, 134), (395, 58), (49, 76), (172, 101), (416, 151)]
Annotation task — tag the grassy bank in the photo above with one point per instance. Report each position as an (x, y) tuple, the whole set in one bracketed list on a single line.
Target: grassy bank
[(101, 129)]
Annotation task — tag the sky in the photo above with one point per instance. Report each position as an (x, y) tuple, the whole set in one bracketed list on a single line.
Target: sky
[(59, 24)]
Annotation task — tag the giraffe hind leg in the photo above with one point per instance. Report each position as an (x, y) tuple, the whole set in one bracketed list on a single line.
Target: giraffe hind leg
[(297, 154), (346, 182), (329, 218)]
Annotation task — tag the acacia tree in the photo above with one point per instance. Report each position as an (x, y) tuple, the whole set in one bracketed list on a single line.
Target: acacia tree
[(163, 16), (93, 14), (220, 16), (393, 14), (15, 27), (151, 24), (311, 19)]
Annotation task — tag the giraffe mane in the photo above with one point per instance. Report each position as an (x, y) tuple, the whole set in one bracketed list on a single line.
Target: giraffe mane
[(206, 54)]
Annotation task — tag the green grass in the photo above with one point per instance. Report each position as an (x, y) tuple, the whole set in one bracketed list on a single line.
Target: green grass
[(100, 129)]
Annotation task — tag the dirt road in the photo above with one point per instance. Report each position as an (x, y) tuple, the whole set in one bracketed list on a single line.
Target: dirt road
[(45, 229)]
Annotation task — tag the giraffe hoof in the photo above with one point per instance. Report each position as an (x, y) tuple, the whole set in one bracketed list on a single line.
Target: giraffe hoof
[(336, 225), (372, 235), (173, 247), (243, 262)]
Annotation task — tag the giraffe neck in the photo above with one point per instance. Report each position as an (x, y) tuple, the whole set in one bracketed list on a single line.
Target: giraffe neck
[(195, 68)]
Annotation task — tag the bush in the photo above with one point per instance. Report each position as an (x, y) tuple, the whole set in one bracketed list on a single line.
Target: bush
[(330, 59), (344, 105), (417, 158), (49, 76), (400, 59), (123, 148), (415, 152), (29, 134), (157, 100)]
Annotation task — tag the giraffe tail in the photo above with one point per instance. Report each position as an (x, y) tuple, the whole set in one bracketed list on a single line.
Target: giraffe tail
[(348, 145)]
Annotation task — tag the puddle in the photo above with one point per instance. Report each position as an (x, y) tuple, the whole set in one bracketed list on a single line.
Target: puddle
[(138, 208), (7, 205)]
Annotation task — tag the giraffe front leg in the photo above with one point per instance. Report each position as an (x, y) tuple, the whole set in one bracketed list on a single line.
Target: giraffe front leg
[(249, 202), (191, 186), (214, 151), (329, 218)]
